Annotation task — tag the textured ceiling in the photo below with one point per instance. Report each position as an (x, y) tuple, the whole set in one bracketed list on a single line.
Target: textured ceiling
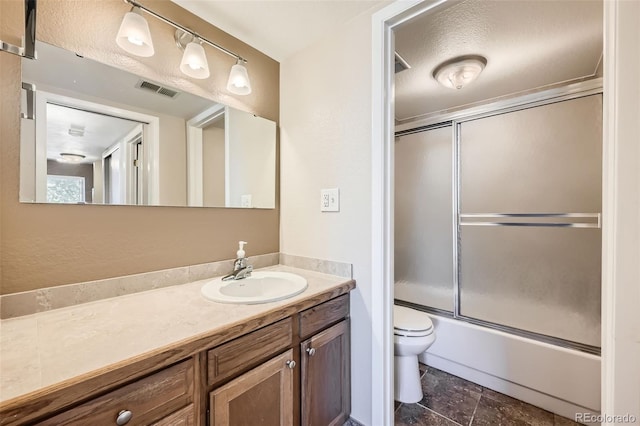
[(278, 28), (100, 132), (528, 45)]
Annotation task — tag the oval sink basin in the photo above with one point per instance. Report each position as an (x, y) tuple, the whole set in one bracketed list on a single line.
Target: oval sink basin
[(260, 287)]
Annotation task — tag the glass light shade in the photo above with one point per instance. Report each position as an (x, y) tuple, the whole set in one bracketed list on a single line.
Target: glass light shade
[(194, 61), (458, 72), (239, 80), (134, 35), (66, 157)]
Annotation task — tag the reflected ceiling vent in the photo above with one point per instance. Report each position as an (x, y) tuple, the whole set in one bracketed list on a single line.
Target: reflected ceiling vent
[(401, 64), (152, 87)]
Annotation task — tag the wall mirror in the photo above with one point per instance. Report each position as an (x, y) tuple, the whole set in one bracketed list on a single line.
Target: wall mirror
[(95, 134)]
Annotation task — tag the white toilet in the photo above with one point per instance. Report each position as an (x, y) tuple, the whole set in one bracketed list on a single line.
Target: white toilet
[(413, 333)]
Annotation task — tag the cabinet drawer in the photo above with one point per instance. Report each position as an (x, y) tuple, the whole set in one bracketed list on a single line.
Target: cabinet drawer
[(184, 417), (323, 315), (248, 350), (148, 399)]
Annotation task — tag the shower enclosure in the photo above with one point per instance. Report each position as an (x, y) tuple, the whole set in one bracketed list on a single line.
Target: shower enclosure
[(497, 218)]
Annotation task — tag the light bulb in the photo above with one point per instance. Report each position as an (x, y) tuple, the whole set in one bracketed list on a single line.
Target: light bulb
[(135, 40)]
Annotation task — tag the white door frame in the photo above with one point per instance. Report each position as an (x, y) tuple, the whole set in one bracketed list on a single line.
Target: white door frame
[(195, 196), (131, 192), (621, 212), (121, 172), (621, 206)]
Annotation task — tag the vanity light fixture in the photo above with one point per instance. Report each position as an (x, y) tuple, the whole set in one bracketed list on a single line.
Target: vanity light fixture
[(134, 35), (66, 157), (458, 72), (194, 61), (239, 79)]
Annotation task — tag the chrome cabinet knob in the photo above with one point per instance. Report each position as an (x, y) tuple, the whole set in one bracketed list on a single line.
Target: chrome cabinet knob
[(291, 364), (123, 417), (311, 351)]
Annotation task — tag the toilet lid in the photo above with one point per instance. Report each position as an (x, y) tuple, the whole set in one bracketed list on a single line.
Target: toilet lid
[(410, 322)]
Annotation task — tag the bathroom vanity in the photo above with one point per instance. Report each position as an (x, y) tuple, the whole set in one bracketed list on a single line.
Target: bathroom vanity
[(286, 362)]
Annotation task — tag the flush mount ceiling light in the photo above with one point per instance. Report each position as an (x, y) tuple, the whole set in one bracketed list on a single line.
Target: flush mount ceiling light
[(239, 79), (458, 72), (194, 60), (134, 35), (66, 157)]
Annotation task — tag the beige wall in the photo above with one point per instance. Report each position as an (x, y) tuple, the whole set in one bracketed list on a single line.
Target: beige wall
[(250, 159), (107, 241), (173, 161)]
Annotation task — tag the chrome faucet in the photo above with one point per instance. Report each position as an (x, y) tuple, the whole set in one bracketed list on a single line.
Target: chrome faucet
[(241, 269)]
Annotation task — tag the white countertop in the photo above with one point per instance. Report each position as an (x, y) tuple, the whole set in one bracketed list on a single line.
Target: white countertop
[(47, 348)]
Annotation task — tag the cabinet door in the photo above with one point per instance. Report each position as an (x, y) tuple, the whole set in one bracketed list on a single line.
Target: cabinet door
[(326, 377), (260, 397)]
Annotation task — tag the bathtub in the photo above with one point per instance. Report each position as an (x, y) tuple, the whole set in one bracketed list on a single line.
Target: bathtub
[(560, 380)]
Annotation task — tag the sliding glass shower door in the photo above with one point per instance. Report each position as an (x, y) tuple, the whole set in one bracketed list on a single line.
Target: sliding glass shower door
[(497, 220), (530, 198)]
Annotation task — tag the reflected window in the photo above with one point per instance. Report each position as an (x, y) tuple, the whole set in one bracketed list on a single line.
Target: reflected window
[(65, 189)]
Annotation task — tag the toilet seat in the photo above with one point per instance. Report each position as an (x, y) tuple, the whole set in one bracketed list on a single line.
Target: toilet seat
[(409, 322)]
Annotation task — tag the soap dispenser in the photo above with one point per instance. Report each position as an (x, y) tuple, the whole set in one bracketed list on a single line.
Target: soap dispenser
[(241, 260), (240, 253), (240, 268)]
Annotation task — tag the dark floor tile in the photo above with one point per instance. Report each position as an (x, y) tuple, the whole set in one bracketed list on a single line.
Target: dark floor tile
[(396, 405), (500, 397), (450, 396), (456, 381), (496, 409), (423, 368), (563, 421), (414, 414)]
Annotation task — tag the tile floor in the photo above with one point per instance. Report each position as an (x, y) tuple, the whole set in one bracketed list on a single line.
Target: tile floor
[(449, 400)]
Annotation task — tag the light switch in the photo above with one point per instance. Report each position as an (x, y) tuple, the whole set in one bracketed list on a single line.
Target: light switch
[(330, 200), (245, 201)]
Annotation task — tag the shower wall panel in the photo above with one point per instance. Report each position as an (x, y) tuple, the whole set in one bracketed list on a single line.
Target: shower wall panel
[(424, 218)]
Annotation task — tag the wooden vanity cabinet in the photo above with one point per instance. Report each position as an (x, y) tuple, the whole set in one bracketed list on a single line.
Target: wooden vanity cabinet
[(325, 377), (325, 383), (309, 384), (294, 371)]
